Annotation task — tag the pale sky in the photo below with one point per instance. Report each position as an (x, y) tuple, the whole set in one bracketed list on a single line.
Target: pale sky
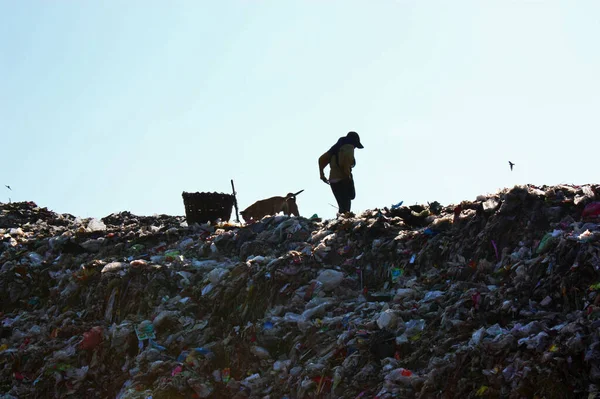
[(122, 105)]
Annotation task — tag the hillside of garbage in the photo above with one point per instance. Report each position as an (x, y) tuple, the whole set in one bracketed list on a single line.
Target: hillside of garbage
[(497, 297)]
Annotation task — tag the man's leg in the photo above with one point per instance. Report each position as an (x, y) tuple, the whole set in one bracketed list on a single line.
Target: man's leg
[(346, 200), (337, 188), (342, 195)]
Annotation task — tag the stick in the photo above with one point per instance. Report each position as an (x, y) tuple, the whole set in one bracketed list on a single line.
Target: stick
[(235, 204)]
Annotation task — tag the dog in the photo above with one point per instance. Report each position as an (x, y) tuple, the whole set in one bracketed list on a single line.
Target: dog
[(272, 206)]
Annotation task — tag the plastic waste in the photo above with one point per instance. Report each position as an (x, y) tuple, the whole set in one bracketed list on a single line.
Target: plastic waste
[(315, 311), (202, 389), (490, 205), (35, 259), (400, 375), (259, 352), (432, 295), (207, 289), (398, 205), (145, 330), (293, 318), (217, 274), (226, 375), (330, 279), (387, 320), (255, 320), (495, 330), (546, 301), (172, 254), (96, 225), (414, 327), (404, 293), (477, 337), (113, 267), (185, 244), (16, 231), (546, 243)]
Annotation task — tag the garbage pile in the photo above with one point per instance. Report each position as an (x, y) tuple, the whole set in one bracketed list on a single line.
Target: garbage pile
[(497, 297)]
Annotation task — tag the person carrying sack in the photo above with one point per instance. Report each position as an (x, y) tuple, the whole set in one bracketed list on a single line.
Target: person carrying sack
[(340, 158)]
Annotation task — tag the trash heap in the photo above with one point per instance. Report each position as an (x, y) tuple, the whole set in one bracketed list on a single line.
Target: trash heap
[(496, 298)]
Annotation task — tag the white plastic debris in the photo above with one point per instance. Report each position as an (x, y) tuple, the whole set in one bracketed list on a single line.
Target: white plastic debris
[(260, 352), (35, 258), (432, 295), (217, 274), (387, 320), (404, 293), (330, 279), (113, 267), (96, 225), (477, 337), (547, 301)]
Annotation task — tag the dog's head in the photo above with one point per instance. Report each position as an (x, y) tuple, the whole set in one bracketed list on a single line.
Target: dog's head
[(292, 195)]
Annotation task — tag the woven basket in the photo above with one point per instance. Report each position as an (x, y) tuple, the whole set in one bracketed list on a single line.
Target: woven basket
[(207, 207)]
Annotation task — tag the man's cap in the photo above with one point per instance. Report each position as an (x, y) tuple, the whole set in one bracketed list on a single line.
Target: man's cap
[(355, 139)]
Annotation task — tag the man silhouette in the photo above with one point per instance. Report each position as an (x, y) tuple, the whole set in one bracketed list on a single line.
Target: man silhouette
[(340, 158)]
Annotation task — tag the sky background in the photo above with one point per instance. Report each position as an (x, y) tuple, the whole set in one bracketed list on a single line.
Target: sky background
[(122, 105)]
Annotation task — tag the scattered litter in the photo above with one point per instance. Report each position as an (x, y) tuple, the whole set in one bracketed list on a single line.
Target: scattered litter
[(491, 298)]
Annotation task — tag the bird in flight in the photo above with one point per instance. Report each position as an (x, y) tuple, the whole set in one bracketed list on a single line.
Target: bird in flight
[(511, 165), (8, 187)]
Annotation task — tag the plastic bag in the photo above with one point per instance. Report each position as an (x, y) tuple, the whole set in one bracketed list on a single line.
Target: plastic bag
[(145, 330), (217, 274), (293, 317), (495, 330), (396, 274), (477, 337), (331, 279), (207, 289), (387, 320), (35, 259), (260, 352), (400, 375), (96, 225), (414, 327), (113, 267), (432, 295)]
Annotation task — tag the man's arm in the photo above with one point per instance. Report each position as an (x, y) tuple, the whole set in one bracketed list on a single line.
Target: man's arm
[(323, 162)]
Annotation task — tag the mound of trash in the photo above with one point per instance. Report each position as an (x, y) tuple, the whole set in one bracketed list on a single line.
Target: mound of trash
[(496, 298)]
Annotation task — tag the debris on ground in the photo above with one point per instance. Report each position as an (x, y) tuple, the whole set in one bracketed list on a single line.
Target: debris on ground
[(497, 297)]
